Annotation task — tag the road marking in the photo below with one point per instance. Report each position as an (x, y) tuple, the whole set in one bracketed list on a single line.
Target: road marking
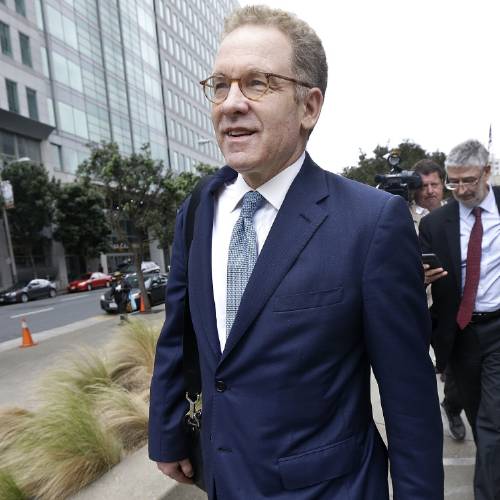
[(32, 312), (75, 298), (458, 461)]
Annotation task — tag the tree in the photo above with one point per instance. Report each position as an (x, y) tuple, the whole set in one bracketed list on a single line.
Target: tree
[(409, 152), (81, 223), (33, 205), (178, 188), (142, 196)]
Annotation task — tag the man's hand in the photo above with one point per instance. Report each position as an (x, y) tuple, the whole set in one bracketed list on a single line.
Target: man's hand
[(181, 471), (431, 275)]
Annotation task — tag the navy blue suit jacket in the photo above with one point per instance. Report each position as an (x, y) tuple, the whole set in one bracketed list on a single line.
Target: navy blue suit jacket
[(337, 288)]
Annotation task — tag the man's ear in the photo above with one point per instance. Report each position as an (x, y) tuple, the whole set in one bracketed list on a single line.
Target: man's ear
[(312, 104)]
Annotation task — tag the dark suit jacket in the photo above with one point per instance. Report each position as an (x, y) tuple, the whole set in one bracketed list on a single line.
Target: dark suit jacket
[(337, 287), (439, 233)]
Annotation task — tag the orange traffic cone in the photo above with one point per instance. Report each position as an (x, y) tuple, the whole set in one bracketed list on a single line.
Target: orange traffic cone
[(142, 307), (27, 339)]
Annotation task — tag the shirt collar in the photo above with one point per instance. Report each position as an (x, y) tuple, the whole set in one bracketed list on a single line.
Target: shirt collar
[(420, 210), (274, 190), (488, 204)]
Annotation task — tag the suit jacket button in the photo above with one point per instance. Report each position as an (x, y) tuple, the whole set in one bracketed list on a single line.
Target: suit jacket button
[(220, 386)]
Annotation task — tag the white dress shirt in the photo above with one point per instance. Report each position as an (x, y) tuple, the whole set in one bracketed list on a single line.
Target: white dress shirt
[(488, 292), (226, 212)]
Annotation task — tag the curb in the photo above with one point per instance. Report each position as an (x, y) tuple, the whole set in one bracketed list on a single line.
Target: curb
[(54, 332), (137, 478)]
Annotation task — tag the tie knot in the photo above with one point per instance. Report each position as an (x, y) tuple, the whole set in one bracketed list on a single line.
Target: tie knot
[(477, 212), (251, 203)]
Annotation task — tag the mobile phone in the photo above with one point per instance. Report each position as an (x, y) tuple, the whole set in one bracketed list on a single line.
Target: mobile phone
[(432, 259)]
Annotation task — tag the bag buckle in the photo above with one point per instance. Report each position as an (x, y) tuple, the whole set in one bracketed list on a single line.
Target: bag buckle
[(193, 415)]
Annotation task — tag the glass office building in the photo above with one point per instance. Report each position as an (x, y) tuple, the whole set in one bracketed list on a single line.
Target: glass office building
[(74, 72)]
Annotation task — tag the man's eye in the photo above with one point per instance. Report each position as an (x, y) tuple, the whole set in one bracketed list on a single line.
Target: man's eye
[(256, 83), (219, 85)]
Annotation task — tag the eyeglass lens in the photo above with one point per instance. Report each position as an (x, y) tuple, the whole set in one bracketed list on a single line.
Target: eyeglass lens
[(253, 86)]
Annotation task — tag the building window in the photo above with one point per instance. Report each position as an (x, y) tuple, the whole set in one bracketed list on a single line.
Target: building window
[(12, 97), (56, 153), (32, 105), (24, 42), (5, 39), (20, 7)]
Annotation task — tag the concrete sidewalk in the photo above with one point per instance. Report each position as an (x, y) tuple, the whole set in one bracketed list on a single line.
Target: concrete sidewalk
[(136, 477)]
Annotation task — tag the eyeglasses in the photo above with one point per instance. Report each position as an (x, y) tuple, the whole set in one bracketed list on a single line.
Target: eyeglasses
[(253, 85), (453, 185)]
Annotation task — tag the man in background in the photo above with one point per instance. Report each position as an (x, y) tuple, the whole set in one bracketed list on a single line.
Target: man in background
[(465, 235), (426, 199)]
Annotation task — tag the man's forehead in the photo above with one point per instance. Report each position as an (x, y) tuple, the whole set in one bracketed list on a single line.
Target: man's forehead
[(254, 47), (463, 170), (432, 176)]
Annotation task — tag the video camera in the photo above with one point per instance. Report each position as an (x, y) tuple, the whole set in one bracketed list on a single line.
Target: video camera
[(398, 181)]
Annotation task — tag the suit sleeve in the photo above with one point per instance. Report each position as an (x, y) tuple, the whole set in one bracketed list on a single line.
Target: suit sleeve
[(397, 330), (167, 394)]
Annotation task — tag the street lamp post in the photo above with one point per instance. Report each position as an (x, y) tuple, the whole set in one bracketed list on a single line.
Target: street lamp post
[(12, 261), (8, 202)]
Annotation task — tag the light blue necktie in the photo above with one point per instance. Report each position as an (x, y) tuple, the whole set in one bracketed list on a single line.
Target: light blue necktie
[(242, 255)]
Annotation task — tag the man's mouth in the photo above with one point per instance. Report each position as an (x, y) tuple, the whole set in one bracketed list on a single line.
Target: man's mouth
[(239, 133)]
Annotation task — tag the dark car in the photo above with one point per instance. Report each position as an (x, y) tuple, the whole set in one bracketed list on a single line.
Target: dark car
[(155, 286), (22, 291)]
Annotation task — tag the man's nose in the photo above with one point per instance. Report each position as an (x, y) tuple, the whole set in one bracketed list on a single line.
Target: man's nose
[(235, 99)]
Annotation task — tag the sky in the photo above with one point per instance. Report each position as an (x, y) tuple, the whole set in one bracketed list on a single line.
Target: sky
[(427, 71)]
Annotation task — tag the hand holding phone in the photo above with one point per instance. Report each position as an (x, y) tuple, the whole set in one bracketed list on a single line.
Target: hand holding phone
[(432, 259)]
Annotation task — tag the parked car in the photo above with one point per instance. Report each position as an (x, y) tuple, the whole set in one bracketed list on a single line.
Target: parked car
[(155, 286), (147, 266), (22, 291), (90, 281)]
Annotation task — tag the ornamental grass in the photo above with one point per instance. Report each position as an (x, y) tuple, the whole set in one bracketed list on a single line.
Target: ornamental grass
[(65, 447), (92, 410), (125, 415), (9, 490), (132, 353)]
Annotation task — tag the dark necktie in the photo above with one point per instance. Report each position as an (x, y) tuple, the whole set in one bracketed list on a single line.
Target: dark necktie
[(242, 255), (472, 272)]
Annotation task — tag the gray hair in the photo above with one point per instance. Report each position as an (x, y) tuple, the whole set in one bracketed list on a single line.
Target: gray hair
[(470, 153), (309, 59)]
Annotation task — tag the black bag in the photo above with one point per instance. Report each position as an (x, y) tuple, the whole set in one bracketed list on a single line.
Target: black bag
[(191, 360)]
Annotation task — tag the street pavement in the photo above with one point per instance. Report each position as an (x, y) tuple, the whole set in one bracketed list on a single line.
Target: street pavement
[(49, 313), (21, 368)]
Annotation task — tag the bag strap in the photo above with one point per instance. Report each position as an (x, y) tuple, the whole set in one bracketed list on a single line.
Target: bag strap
[(191, 360)]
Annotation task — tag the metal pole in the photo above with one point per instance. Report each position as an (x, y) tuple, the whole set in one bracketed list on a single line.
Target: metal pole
[(9, 245)]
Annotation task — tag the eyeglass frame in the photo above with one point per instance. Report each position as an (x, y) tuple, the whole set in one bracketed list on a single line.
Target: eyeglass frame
[(203, 83), (456, 185)]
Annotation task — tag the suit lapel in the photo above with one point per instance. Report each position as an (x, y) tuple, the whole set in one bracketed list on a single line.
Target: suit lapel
[(496, 192), (299, 211), (200, 261), (452, 231)]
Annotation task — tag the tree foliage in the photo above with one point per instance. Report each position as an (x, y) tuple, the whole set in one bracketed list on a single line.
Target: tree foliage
[(33, 205), (368, 167), (142, 196), (81, 224)]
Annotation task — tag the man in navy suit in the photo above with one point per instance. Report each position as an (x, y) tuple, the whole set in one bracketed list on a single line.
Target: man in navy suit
[(336, 289)]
